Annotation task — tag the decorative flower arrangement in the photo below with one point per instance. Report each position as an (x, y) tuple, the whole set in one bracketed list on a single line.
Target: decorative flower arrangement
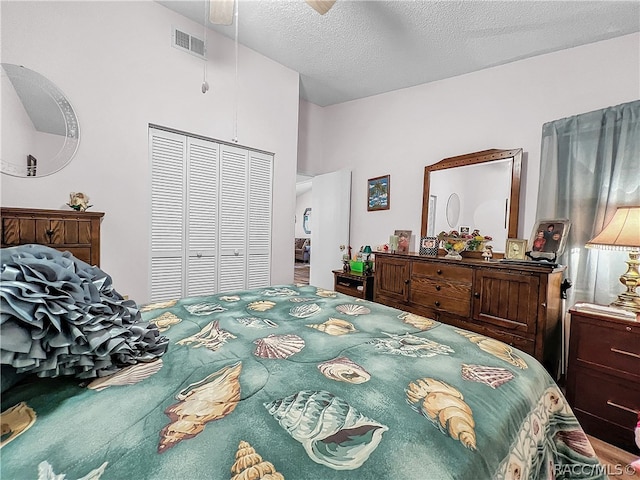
[(455, 243), (79, 201)]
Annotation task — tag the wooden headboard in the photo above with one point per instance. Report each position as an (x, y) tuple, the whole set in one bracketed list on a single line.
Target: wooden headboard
[(64, 230)]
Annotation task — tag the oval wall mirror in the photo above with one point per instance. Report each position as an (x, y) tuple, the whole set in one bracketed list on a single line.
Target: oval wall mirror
[(453, 210), (306, 221), (40, 131)]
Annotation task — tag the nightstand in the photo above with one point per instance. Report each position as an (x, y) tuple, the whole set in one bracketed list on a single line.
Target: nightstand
[(603, 376), (353, 283)]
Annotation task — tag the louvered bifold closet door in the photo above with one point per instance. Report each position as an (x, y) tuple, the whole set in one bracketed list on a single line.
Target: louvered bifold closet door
[(233, 218), (202, 217), (167, 151), (259, 220)]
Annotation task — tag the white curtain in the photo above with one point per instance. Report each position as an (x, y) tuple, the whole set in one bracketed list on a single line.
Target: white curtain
[(590, 164)]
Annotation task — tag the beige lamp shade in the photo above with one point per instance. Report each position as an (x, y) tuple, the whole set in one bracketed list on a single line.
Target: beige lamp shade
[(621, 233)]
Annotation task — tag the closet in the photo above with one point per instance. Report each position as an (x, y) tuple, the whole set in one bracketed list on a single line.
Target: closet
[(210, 215)]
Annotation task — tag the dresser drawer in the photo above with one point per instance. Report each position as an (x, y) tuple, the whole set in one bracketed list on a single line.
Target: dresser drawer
[(441, 270), (527, 345), (441, 287), (81, 253), (456, 306), (606, 405), (608, 345)]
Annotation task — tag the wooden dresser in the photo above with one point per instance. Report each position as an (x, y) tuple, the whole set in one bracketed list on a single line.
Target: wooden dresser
[(520, 305), (65, 230), (603, 376)]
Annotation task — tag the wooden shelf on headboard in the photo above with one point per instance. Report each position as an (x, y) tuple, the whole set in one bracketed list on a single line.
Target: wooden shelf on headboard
[(64, 230)]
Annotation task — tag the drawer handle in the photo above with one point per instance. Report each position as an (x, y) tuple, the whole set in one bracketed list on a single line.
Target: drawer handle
[(439, 272), (438, 287), (622, 407), (623, 352), (406, 282), (437, 304), (476, 295)]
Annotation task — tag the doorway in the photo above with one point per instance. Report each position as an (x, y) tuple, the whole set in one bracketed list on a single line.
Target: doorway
[(330, 197), (303, 222)]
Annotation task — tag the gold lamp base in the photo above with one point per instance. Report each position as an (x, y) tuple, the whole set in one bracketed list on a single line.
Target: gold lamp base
[(630, 300)]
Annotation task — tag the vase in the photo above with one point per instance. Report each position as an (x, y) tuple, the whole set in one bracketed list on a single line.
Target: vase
[(454, 247)]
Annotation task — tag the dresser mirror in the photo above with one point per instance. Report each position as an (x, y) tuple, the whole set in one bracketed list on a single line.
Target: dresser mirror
[(479, 190), (40, 131)]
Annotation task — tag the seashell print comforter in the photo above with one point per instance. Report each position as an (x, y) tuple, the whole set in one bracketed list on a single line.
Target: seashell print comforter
[(294, 382)]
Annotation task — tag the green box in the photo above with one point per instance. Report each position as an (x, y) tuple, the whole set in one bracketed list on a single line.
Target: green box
[(357, 266)]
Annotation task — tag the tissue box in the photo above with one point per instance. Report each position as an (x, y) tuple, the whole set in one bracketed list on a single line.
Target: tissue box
[(357, 266)]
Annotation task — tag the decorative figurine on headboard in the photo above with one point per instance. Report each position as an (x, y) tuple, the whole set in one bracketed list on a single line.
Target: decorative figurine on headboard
[(487, 254), (78, 201)]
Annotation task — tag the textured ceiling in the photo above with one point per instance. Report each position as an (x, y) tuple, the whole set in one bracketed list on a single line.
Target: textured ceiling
[(362, 48)]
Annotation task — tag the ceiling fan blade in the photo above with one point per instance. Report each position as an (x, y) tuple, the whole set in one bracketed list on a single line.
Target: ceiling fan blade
[(221, 12), (321, 6)]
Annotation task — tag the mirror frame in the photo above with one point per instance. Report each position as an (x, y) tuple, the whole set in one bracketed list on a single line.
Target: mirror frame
[(473, 159), (71, 141)]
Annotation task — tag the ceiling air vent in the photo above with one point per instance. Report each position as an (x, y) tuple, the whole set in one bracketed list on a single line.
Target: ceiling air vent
[(188, 43)]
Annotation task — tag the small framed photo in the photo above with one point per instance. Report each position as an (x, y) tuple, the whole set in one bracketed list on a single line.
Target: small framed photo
[(549, 237), (404, 240), (429, 246), (515, 249), (378, 193), (465, 230)]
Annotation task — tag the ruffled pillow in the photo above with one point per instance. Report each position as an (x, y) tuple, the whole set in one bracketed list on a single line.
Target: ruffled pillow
[(61, 316)]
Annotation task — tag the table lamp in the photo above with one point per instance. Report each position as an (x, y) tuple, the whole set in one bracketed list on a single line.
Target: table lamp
[(623, 233)]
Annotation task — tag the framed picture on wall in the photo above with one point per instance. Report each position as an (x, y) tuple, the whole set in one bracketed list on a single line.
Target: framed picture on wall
[(378, 193)]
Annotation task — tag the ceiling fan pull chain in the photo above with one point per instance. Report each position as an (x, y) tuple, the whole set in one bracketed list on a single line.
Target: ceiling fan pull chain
[(205, 84), (235, 121)]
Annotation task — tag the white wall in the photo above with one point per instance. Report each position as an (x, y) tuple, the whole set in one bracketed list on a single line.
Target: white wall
[(115, 63), (401, 132)]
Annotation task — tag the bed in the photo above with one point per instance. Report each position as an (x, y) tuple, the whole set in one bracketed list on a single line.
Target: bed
[(288, 381)]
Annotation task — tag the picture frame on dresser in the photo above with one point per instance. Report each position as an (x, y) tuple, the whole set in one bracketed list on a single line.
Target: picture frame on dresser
[(429, 246), (549, 237), (404, 240), (515, 249)]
